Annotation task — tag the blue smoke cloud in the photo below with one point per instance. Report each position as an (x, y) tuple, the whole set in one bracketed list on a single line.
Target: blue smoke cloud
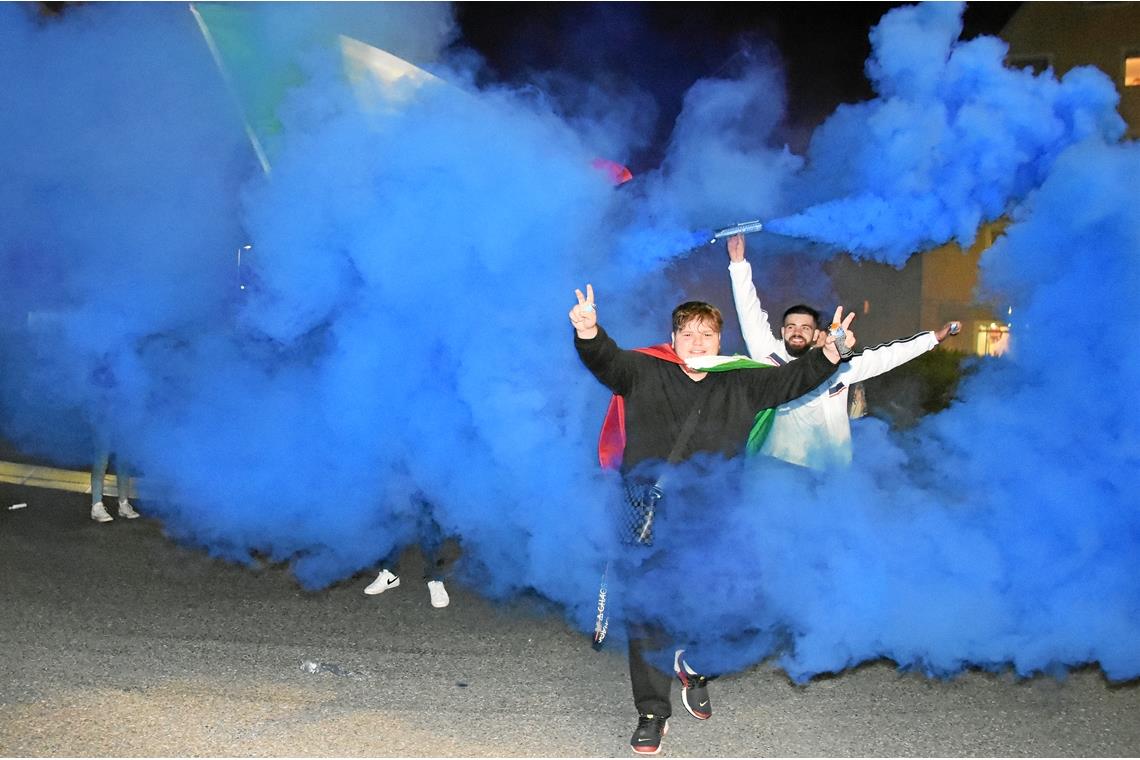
[(952, 140), (402, 344), (122, 160), (999, 533)]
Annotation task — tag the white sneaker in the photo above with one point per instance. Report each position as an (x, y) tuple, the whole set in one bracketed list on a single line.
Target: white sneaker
[(384, 581), (126, 510), (439, 597), (99, 513)]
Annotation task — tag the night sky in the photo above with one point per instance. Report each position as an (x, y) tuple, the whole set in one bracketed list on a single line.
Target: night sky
[(663, 48)]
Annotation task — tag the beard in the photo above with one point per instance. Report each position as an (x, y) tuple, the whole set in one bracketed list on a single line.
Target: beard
[(796, 351)]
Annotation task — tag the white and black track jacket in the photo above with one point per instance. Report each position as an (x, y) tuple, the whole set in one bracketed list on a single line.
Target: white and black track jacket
[(813, 430)]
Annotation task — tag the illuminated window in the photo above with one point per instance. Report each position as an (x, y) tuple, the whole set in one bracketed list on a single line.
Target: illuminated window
[(992, 339), (1132, 70)]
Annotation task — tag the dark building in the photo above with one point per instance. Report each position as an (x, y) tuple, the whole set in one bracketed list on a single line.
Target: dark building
[(938, 285)]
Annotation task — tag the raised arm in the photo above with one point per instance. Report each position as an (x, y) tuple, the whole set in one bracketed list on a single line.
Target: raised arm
[(885, 357), (614, 368), (773, 386), (754, 324)]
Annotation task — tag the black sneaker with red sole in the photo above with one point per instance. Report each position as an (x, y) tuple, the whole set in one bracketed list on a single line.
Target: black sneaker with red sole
[(647, 737), (694, 688)]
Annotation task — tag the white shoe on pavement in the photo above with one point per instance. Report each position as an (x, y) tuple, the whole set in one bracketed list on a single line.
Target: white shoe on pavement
[(99, 513), (439, 597), (384, 581), (126, 510)]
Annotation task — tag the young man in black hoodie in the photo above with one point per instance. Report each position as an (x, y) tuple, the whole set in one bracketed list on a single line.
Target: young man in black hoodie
[(667, 395)]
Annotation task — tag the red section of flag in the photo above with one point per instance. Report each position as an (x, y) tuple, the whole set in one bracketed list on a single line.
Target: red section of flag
[(617, 173), (611, 443)]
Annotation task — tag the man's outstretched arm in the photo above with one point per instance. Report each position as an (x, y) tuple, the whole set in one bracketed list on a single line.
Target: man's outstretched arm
[(883, 358)]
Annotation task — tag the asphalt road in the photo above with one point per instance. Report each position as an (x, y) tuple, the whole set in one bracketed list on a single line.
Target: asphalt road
[(115, 641)]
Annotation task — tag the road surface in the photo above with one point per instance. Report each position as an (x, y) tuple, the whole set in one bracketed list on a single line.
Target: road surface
[(116, 641)]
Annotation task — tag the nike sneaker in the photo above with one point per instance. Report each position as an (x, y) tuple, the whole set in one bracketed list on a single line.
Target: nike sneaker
[(384, 581), (694, 688), (647, 737)]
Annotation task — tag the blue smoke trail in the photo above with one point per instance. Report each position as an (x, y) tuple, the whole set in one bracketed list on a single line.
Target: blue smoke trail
[(999, 533), (952, 139), (403, 340), (121, 163), (386, 353)]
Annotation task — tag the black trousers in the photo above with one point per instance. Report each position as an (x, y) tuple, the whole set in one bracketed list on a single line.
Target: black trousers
[(650, 686)]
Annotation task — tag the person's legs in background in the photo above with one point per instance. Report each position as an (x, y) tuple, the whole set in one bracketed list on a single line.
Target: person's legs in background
[(440, 556), (98, 472), (123, 483)]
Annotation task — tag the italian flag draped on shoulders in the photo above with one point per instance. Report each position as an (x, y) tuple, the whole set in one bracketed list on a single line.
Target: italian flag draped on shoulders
[(611, 443)]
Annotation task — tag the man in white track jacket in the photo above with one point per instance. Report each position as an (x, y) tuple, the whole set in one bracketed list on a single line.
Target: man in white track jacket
[(814, 429)]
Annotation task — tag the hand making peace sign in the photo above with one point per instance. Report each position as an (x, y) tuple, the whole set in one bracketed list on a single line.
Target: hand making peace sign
[(829, 348), (584, 315)]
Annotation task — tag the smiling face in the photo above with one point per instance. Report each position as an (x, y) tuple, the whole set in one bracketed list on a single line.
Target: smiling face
[(697, 337), (696, 329), (800, 329), (799, 332)]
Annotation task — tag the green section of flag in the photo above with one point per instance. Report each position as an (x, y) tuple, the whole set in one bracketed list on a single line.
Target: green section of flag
[(725, 363), (762, 425), (257, 71)]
